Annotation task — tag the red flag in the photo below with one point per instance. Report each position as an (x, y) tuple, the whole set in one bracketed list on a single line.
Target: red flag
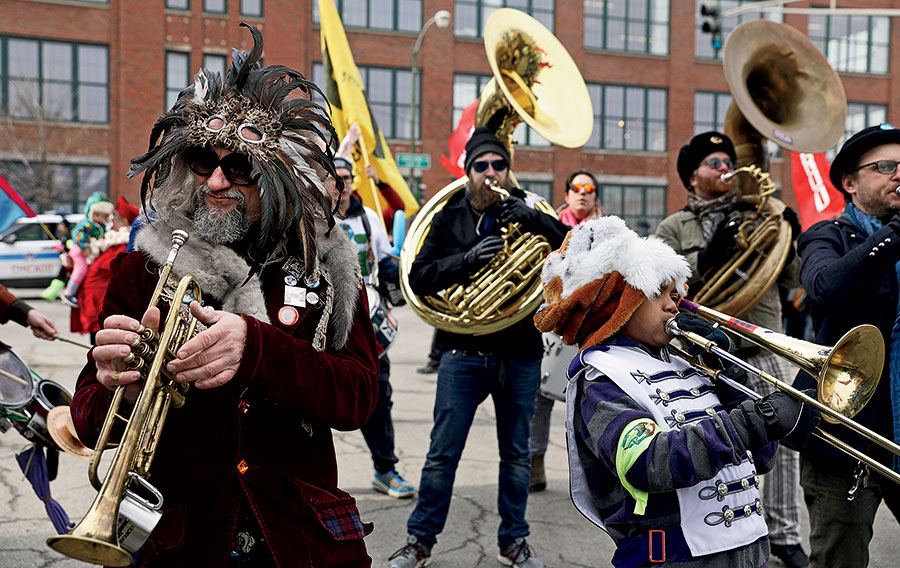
[(455, 164), (817, 198), (12, 206)]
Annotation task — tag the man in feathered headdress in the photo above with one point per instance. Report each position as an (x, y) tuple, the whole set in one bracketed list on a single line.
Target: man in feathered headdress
[(247, 466)]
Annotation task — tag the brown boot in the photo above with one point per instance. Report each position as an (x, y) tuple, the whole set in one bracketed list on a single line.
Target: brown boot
[(538, 476)]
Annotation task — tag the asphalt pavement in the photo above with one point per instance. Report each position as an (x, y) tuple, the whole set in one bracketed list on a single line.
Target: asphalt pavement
[(560, 536)]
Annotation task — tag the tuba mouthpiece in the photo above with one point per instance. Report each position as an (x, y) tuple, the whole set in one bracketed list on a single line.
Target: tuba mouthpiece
[(727, 176)]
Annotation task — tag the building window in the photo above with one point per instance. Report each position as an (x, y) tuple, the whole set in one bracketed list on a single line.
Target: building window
[(252, 8), (640, 26), (467, 88), (178, 4), (215, 63), (628, 118), (709, 114), (177, 75), (470, 16), (56, 187), (214, 6), (703, 42), (855, 44), (388, 91), (397, 15), (634, 203), (859, 116), (542, 188), (53, 80)]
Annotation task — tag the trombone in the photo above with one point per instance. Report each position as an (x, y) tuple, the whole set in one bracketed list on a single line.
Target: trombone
[(847, 373)]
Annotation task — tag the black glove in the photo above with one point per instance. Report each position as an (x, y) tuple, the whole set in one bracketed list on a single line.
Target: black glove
[(785, 418), (483, 251), (790, 216), (729, 396), (696, 324), (389, 281), (720, 247), (516, 210)]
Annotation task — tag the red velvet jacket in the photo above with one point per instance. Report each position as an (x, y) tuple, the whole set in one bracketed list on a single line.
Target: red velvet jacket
[(266, 435)]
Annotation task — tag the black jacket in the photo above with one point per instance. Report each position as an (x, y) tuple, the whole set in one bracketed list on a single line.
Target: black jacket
[(851, 280), (440, 264)]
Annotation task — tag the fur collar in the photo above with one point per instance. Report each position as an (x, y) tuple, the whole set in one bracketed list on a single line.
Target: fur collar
[(221, 272)]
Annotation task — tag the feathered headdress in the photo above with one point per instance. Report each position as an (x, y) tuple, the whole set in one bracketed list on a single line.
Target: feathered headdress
[(266, 114)]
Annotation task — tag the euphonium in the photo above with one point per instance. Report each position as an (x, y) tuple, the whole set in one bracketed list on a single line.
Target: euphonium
[(536, 81), (120, 519)]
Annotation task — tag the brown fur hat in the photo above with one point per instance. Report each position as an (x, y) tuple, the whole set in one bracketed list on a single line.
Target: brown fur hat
[(598, 278)]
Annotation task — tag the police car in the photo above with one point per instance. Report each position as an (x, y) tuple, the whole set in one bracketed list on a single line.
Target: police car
[(27, 255)]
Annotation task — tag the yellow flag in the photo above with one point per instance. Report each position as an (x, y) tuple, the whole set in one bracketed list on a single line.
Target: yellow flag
[(347, 98)]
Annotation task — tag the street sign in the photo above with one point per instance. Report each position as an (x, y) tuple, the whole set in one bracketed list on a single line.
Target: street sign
[(415, 161)]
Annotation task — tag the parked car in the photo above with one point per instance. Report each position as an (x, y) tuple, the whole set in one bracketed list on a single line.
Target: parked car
[(27, 255)]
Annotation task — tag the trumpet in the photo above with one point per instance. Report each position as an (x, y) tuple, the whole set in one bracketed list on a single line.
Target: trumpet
[(847, 373), (120, 519)]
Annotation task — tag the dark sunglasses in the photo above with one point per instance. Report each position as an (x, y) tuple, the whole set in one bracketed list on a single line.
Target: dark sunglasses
[(203, 161), (583, 188), (498, 165), (716, 163), (886, 167)]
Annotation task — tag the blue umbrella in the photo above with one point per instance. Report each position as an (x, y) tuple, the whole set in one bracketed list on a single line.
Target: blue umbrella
[(34, 465)]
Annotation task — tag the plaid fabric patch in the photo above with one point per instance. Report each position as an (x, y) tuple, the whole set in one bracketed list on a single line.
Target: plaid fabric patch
[(341, 519)]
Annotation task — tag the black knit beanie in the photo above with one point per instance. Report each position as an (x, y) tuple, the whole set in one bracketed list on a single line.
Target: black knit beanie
[(482, 142)]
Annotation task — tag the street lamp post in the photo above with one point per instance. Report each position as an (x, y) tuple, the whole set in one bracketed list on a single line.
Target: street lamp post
[(442, 19)]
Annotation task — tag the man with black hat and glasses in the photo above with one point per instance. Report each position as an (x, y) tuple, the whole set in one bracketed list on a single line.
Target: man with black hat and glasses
[(704, 233), (851, 267), (505, 365)]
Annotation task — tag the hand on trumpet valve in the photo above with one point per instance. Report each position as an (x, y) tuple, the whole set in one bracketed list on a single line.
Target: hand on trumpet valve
[(719, 248), (784, 418), (515, 210), (113, 344), (483, 251), (212, 357)]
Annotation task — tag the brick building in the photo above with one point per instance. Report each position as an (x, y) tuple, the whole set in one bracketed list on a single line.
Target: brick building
[(82, 81)]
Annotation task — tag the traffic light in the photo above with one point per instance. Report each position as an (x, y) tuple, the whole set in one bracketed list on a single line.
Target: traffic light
[(712, 24)]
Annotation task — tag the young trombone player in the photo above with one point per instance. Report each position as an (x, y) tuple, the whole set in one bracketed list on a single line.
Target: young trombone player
[(663, 461)]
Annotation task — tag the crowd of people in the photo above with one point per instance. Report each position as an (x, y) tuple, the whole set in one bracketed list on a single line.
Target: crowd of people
[(675, 467)]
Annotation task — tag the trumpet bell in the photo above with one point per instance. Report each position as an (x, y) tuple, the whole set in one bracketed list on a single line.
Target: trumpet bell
[(851, 373), (784, 86), (537, 77), (90, 549)]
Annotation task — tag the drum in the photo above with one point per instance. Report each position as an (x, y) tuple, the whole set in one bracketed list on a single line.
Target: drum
[(383, 322), (24, 403), (557, 356)]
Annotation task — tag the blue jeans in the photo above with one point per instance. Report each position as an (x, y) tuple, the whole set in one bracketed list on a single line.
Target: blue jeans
[(379, 430), (464, 381)]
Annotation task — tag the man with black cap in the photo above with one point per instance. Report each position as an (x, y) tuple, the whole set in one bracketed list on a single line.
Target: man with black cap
[(465, 236), (364, 229), (704, 233), (850, 271)]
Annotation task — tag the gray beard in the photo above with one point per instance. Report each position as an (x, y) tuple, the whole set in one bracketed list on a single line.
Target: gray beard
[(215, 226)]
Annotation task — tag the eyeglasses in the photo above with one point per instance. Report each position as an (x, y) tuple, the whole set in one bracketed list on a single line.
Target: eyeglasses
[(583, 188), (203, 161), (498, 165), (716, 163), (885, 167)]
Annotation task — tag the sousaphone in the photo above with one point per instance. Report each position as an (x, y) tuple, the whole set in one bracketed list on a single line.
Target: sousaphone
[(783, 90), (536, 81)]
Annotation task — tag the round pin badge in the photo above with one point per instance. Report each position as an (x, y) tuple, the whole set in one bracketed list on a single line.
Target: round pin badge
[(312, 298), (288, 315), (290, 280), (312, 281)]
